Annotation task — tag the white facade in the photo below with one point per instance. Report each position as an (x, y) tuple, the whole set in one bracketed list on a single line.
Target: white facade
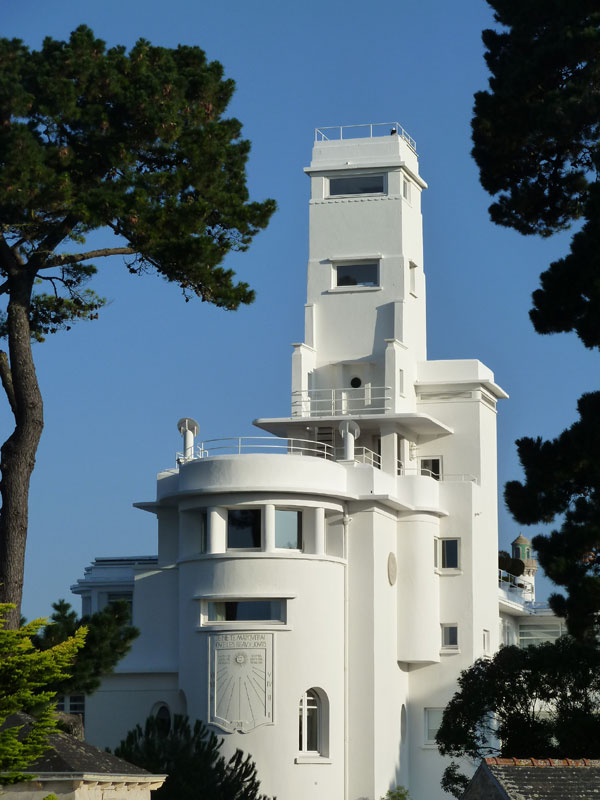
[(315, 596)]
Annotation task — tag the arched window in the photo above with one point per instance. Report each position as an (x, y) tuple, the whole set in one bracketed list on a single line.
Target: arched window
[(313, 723), (162, 713)]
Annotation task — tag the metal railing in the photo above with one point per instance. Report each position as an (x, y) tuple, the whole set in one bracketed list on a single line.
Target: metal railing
[(443, 476), (364, 131), (510, 582), (341, 402), (365, 456), (238, 445)]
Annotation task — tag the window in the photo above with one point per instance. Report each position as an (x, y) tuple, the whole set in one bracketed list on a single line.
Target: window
[(243, 528), (313, 725), (405, 189), (357, 184), (163, 718), (449, 553), (245, 611), (450, 637), (72, 704), (433, 721), (536, 633), (202, 518), (401, 382), (365, 275), (288, 529), (436, 548), (431, 467), (125, 597)]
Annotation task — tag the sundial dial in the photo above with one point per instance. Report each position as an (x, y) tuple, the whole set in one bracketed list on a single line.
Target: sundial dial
[(241, 680)]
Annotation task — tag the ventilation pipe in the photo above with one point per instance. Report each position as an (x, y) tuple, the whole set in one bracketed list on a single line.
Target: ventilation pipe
[(350, 432), (188, 428)]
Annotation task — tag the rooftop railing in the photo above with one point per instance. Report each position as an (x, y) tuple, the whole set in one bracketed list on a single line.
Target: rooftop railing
[(512, 583), (340, 402), (238, 445), (366, 130)]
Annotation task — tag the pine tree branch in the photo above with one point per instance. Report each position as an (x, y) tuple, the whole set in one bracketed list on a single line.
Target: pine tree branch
[(7, 382), (50, 242), (66, 259)]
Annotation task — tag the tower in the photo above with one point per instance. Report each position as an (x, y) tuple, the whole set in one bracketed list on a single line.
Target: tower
[(317, 592)]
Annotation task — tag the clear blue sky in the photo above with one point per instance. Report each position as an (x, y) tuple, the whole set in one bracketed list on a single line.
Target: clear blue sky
[(114, 389)]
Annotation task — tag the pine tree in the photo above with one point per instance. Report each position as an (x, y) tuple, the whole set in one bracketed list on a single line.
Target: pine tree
[(131, 143), (536, 137), (109, 638), (190, 757)]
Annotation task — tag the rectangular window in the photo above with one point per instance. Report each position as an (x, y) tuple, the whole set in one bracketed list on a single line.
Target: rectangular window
[(244, 528), (245, 611), (433, 721), (449, 548), (357, 275), (405, 189), (357, 184), (436, 547), (431, 467), (203, 531), (532, 633), (450, 637), (288, 529), (401, 381)]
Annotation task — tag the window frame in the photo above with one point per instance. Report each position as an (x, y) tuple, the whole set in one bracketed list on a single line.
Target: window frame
[(440, 566), (427, 741), (430, 473), (355, 262), (449, 626), (243, 623), (253, 548), (300, 529), (321, 754), (354, 176)]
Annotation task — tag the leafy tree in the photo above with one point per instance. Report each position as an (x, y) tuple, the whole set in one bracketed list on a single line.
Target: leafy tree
[(109, 638), (541, 701), (191, 758), (536, 137), (95, 138), (26, 676)]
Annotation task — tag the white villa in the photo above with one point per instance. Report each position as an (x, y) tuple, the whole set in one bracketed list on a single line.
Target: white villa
[(318, 588)]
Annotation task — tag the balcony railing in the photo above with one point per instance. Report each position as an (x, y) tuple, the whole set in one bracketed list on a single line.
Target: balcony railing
[(341, 402), (513, 584), (365, 131), (238, 445)]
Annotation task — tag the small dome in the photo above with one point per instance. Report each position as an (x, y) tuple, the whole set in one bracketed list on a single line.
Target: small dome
[(521, 540)]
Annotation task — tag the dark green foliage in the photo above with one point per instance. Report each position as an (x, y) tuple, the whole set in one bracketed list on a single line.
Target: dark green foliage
[(134, 142), (26, 678), (190, 757), (536, 137), (109, 638), (514, 566), (541, 701), (562, 478)]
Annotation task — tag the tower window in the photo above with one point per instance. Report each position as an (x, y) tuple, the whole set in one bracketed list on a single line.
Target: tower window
[(245, 611), (357, 275), (449, 548), (357, 184), (433, 721), (313, 723), (243, 528), (288, 529)]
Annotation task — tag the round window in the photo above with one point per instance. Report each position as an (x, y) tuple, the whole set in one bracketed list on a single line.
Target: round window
[(355, 383)]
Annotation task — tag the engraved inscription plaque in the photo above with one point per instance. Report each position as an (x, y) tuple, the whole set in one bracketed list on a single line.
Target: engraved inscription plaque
[(241, 680)]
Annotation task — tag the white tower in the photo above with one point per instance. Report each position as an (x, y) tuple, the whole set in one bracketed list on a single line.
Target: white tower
[(316, 595)]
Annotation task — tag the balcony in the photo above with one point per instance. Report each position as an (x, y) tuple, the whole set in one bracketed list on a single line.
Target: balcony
[(342, 402), (242, 445), (516, 589)]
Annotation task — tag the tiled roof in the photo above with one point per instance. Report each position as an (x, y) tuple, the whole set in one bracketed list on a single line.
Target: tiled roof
[(72, 755), (542, 778)]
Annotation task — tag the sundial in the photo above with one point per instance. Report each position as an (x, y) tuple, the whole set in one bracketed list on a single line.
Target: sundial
[(241, 680)]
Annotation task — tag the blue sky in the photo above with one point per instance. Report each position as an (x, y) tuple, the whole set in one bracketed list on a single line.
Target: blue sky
[(114, 389)]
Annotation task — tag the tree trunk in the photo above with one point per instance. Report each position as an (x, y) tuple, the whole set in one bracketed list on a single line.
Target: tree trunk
[(17, 456)]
